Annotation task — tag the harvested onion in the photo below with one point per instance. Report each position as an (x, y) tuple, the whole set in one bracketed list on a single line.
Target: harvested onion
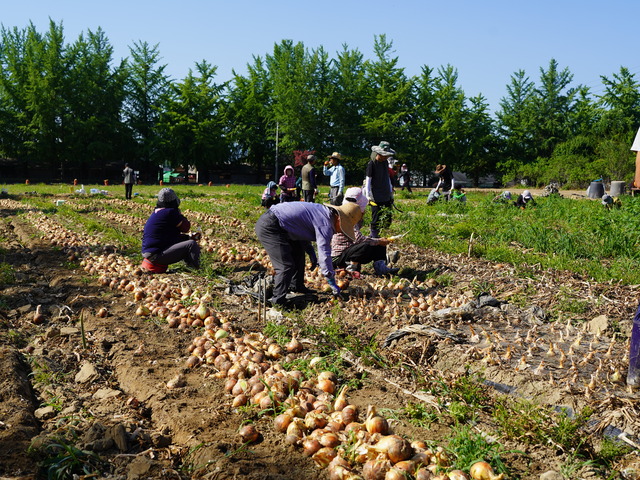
[(483, 471)]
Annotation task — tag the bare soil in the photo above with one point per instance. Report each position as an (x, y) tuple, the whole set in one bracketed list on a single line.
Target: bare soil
[(107, 384)]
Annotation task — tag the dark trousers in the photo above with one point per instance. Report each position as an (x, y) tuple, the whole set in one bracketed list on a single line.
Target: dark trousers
[(128, 190), (286, 255), (335, 196), (308, 196), (362, 253), (187, 250), (381, 216)]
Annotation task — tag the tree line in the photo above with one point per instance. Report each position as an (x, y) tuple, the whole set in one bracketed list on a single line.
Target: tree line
[(71, 108)]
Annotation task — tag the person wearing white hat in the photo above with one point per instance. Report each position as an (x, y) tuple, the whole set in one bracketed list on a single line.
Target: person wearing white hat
[(352, 253), (165, 239), (524, 199), (284, 230)]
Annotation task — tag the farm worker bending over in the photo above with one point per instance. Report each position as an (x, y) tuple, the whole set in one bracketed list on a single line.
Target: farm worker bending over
[(270, 195), (283, 231), (445, 182), (337, 180), (378, 189), (165, 239), (524, 199), (353, 253), (288, 185)]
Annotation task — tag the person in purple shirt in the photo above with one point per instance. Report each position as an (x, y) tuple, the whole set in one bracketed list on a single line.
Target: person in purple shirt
[(283, 231), (165, 239)]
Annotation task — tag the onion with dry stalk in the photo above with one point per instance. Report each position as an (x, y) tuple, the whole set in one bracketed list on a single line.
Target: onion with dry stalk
[(484, 471), (393, 446)]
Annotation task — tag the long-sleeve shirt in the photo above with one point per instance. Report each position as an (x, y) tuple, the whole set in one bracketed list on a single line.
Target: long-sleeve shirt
[(309, 222), (377, 185), (288, 184), (340, 242), (337, 176)]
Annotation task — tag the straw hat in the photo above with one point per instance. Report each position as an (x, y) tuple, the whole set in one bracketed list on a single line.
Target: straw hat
[(349, 214), (440, 168)]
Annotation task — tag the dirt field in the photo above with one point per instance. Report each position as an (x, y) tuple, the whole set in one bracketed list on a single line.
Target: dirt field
[(120, 385)]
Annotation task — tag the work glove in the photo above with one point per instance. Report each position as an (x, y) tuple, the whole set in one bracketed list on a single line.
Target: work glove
[(335, 289)]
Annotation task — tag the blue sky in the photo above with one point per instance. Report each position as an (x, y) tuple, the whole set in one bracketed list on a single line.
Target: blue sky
[(485, 40)]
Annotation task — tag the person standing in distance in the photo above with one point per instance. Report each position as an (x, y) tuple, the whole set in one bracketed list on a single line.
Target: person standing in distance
[(337, 180), (129, 178), (309, 183)]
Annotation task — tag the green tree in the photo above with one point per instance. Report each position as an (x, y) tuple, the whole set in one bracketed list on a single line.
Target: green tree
[(347, 103), (191, 127), (247, 116), (388, 96), (515, 125), (147, 88), (95, 135)]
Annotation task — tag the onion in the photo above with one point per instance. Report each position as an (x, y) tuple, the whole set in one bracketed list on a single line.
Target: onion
[(294, 346), (376, 468), (394, 474), (281, 422), (375, 423), (483, 471), (323, 457), (458, 475), (38, 317), (341, 399), (349, 414), (423, 474), (395, 447), (102, 312), (310, 446), (249, 433)]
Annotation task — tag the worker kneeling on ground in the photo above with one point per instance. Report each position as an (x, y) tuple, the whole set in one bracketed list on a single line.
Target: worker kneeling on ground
[(165, 239), (283, 231)]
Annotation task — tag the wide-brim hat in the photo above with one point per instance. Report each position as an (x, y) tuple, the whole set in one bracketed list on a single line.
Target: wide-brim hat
[(335, 155), (381, 151), (440, 168), (349, 214)]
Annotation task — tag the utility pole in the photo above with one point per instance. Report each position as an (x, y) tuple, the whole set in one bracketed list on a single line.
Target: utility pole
[(275, 177)]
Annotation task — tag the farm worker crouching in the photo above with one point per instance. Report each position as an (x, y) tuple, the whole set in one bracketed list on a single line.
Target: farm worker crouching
[(379, 190), (446, 182), (165, 239), (337, 178), (524, 199), (361, 250), (288, 185), (503, 197), (284, 230), (270, 195)]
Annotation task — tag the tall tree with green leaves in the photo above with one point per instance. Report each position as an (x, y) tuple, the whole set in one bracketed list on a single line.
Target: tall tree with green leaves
[(388, 96), (248, 115), (515, 125), (551, 106), (147, 87), (191, 128), (95, 134), (348, 85)]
